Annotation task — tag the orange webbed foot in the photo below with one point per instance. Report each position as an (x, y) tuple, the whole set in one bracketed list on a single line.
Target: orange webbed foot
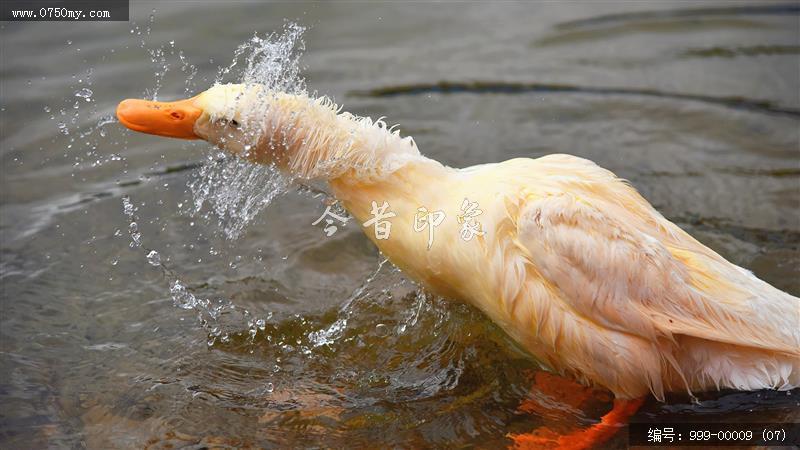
[(555, 395), (541, 438)]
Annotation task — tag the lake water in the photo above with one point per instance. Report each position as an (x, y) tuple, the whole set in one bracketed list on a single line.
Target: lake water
[(285, 337)]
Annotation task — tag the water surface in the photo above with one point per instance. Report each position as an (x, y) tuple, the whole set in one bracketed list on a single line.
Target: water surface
[(304, 340)]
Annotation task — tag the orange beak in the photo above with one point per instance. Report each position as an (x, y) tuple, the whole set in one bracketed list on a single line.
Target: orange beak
[(170, 119)]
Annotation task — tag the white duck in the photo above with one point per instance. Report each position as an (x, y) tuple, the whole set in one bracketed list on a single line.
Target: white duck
[(568, 259)]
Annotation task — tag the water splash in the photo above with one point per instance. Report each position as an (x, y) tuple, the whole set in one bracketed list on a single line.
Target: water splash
[(84, 93), (209, 312), (154, 258), (133, 224), (235, 191), (273, 62), (229, 188), (333, 332), (232, 192), (82, 122)]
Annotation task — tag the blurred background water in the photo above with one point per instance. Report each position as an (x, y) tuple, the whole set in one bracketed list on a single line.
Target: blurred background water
[(297, 339)]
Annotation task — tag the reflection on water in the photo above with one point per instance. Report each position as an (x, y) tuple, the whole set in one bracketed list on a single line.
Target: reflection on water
[(236, 323)]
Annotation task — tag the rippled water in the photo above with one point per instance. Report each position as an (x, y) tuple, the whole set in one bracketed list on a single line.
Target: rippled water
[(219, 320)]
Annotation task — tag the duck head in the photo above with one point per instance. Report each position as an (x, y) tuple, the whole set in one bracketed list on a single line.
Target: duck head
[(222, 115)]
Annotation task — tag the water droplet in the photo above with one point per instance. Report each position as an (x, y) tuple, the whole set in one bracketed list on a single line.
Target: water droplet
[(136, 236), (105, 120), (184, 299), (84, 93), (154, 258), (127, 206)]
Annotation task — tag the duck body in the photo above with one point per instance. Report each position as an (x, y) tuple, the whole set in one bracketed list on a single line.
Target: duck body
[(573, 263), (582, 272)]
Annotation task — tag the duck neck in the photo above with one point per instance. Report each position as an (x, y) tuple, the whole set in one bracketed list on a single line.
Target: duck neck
[(362, 160), (405, 188), (310, 140), (386, 210)]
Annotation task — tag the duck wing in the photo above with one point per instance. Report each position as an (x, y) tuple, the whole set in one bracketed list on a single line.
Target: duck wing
[(620, 264)]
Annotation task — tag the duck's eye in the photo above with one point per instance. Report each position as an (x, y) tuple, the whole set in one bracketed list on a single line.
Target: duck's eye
[(225, 122)]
